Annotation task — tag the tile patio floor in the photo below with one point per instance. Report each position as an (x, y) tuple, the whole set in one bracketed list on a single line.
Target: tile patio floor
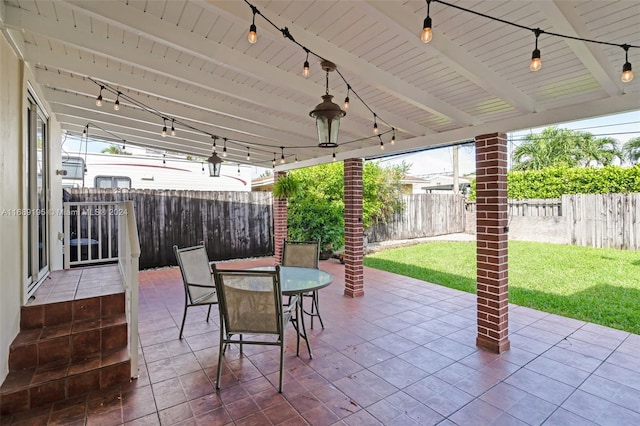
[(403, 354)]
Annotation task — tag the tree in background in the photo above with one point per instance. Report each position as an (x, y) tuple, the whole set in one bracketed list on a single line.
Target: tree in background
[(114, 149), (564, 148), (632, 150), (317, 211)]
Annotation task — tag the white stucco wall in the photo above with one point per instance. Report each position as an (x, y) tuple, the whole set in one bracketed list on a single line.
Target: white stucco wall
[(10, 197), (14, 78)]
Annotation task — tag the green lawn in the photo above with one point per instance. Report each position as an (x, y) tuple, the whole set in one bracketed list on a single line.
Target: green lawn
[(596, 285)]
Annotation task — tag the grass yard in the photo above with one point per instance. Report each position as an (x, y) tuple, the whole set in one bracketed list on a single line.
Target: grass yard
[(596, 285)]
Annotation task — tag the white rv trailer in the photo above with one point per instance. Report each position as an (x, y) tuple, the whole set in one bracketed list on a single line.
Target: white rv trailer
[(93, 170)]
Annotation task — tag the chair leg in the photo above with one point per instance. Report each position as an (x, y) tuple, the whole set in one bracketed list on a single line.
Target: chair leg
[(315, 302), (184, 317), (209, 313), (221, 349), (281, 361)]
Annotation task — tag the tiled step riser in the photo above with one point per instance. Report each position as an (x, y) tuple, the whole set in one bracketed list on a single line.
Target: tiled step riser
[(65, 388), (52, 314), (71, 346)]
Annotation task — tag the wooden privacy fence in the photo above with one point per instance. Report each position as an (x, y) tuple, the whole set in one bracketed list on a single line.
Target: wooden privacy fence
[(231, 224), (530, 207), (424, 215), (603, 220)]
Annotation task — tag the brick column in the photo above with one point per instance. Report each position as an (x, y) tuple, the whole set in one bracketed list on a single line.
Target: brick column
[(279, 222), (492, 242), (353, 231)]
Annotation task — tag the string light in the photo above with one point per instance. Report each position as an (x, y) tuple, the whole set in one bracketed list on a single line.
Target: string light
[(213, 148), (282, 155), (536, 63), (248, 154), (164, 128), (375, 124), (164, 162), (253, 35), (116, 104), (627, 74), (346, 100), (305, 68), (296, 158), (173, 129), (273, 162), (99, 98), (224, 148), (124, 144), (427, 34), (202, 167), (381, 143), (393, 136), (334, 155), (238, 169)]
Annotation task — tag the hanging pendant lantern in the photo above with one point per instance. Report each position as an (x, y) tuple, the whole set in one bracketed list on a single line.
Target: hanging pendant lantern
[(215, 164), (327, 114)]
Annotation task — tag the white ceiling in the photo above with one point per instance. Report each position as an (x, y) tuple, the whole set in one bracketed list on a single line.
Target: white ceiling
[(190, 60)]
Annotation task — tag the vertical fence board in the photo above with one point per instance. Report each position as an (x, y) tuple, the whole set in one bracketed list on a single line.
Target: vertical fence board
[(603, 220)]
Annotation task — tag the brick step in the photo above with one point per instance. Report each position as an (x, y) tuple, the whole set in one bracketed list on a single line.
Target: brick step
[(33, 316), (56, 381)]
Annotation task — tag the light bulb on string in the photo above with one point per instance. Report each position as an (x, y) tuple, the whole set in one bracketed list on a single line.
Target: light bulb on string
[(164, 162), (253, 34), (334, 156), (116, 104), (213, 148), (627, 74), (346, 99), (282, 160), (202, 167), (536, 63), (273, 162), (296, 158), (375, 124), (164, 128), (305, 68), (427, 33), (393, 136), (124, 144), (238, 169), (99, 98), (248, 154), (173, 129), (381, 143), (224, 148)]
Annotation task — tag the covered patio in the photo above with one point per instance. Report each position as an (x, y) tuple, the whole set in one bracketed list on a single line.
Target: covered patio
[(404, 355)]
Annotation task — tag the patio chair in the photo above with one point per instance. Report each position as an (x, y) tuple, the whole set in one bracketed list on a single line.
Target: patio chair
[(199, 287), (304, 254), (251, 306)]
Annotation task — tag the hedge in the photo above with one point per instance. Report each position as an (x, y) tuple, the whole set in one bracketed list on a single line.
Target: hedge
[(553, 182)]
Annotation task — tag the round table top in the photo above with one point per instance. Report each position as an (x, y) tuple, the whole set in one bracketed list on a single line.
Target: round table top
[(296, 280)]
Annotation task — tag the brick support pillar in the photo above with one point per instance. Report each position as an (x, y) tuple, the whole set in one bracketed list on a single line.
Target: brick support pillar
[(492, 242), (279, 222), (353, 230)]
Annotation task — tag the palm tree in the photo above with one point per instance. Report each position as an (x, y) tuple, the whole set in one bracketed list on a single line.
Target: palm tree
[(115, 149), (552, 147), (632, 150), (564, 147)]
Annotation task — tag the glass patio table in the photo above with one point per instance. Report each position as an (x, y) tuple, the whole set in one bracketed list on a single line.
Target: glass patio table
[(296, 281)]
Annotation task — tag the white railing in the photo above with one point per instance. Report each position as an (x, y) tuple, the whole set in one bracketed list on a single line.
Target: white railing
[(101, 232), (128, 262), (91, 232)]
